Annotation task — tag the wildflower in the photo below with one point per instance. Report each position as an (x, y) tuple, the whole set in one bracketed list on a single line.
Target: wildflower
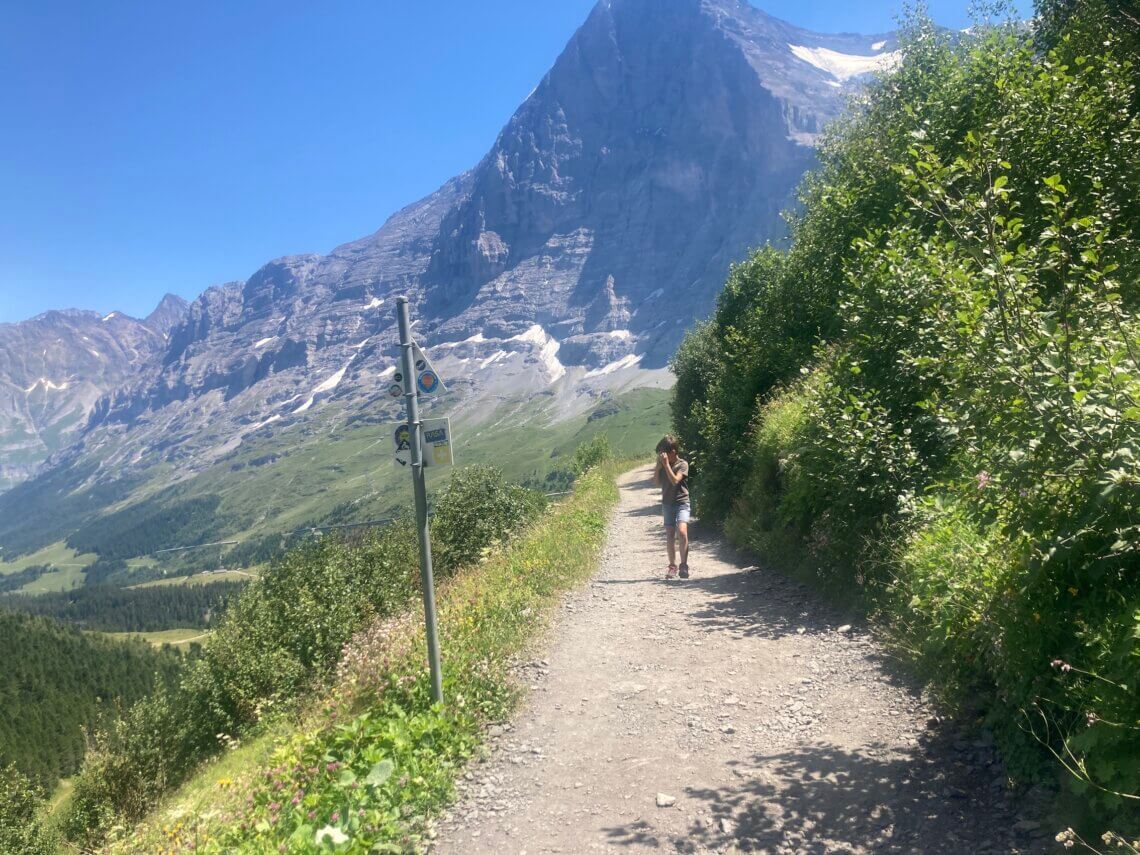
[(1067, 838), (983, 479), (311, 815), (1064, 667), (1092, 718), (335, 817)]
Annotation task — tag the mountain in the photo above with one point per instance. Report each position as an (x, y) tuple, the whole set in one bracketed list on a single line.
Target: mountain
[(559, 273), (55, 366)]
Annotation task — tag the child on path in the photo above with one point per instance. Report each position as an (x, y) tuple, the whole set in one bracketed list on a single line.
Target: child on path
[(672, 475)]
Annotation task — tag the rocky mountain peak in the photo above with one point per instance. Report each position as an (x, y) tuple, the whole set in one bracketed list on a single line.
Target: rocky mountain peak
[(53, 369), (661, 146), (168, 314)]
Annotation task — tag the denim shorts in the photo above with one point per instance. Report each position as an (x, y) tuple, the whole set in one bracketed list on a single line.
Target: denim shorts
[(675, 513)]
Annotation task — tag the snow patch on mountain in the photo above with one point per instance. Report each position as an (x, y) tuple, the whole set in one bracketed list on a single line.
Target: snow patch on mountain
[(630, 361), (49, 385), (534, 335), (257, 345), (376, 303), (843, 66), (495, 357), (326, 386), (478, 338), (267, 421)]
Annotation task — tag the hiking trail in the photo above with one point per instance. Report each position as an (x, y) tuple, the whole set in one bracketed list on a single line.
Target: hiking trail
[(730, 712)]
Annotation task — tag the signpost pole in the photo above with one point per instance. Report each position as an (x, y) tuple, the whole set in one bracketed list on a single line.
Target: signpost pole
[(415, 426)]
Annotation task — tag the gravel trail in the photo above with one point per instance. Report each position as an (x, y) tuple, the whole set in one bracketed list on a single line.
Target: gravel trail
[(730, 712)]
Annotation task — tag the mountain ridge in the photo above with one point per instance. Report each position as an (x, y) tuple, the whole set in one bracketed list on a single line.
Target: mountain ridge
[(563, 268), (56, 366)]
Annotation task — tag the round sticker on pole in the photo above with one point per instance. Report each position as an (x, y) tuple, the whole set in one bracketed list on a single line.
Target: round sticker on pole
[(428, 382)]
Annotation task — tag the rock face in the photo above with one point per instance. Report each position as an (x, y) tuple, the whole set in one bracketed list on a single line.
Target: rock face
[(661, 146), (56, 366)]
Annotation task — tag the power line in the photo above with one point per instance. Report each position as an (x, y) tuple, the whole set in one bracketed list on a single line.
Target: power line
[(199, 546)]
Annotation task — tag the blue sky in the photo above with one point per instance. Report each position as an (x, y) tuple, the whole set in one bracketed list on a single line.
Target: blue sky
[(152, 147)]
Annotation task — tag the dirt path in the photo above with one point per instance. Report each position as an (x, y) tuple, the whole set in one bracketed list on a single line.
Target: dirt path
[(729, 712)]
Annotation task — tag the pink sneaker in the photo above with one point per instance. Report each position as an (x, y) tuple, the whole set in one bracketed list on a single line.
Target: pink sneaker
[(671, 573)]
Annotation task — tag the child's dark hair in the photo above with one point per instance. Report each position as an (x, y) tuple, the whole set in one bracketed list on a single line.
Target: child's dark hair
[(669, 443)]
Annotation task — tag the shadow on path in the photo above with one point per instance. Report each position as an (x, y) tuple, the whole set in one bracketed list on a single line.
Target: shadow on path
[(825, 799)]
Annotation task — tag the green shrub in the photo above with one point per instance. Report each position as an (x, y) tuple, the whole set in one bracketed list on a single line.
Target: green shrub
[(759, 518), (281, 633), (477, 510), (289, 626), (961, 299), (593, 452), (21, 804)]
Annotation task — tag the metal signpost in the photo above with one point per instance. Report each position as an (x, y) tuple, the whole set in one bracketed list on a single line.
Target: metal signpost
[(409, 367)]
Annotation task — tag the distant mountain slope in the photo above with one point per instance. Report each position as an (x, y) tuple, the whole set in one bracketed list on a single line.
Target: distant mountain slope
[(564, 268), (55, 366)]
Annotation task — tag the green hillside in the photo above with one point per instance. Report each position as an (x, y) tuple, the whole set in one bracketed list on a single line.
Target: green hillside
[(56, 680), (334, 468)]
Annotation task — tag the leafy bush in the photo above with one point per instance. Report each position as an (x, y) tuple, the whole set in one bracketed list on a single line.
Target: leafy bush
[(282, 632), (477, 510), (964, 441), (21, 803), (289, 626), (593, 452)]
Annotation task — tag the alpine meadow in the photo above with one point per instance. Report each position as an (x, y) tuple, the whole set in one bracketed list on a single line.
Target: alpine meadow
[(933, 398)]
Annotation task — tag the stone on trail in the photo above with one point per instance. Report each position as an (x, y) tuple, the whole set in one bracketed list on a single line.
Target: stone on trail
[(664, 801), (845, 628)]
